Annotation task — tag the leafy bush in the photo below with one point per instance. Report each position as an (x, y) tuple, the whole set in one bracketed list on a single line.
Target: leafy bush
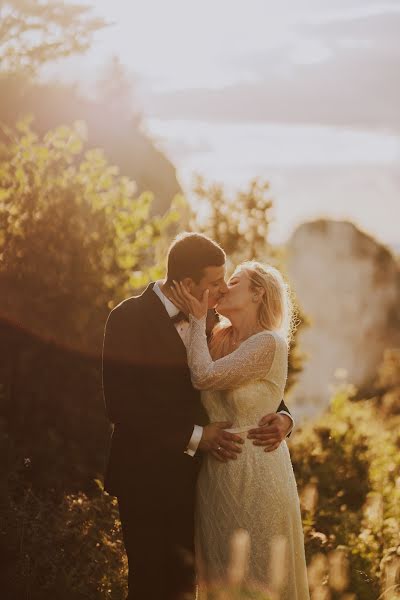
[(348, 464), (74, 239), (67, 550)]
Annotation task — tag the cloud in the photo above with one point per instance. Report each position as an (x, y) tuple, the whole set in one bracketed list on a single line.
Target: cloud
[(350, 11), (353, 81)]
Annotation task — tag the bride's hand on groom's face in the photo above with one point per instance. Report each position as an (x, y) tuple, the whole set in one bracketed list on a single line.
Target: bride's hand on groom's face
[(221, 444), (177, 298), (184, 300)]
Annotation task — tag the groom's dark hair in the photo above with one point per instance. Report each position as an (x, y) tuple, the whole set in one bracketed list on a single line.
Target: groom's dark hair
[(189, 254)]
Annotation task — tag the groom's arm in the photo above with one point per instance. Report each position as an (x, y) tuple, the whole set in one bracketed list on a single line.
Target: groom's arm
[(272, 429), (283, 410), (195, 440)]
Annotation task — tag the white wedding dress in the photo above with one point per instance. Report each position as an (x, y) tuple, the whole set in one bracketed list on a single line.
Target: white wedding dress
[(257, 492)]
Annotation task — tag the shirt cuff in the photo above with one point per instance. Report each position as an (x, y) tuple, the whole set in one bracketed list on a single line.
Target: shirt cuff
[(284, 412), (194, 440)]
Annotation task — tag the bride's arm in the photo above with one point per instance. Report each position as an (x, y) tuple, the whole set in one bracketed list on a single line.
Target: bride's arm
[(252, 360)]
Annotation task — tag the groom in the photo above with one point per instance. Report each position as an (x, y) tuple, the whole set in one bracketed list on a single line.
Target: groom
[(160, 428)]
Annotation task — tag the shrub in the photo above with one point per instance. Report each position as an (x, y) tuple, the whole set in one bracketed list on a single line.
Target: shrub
[(349, 462)]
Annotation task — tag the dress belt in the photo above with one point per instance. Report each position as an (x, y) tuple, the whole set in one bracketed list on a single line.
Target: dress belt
[(242, 428)]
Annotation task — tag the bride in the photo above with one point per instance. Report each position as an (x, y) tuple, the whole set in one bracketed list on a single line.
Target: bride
[(242, 373)]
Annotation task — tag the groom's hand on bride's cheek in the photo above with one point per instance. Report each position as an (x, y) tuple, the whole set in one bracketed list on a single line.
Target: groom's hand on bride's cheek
[(273, 428), (221, 444)]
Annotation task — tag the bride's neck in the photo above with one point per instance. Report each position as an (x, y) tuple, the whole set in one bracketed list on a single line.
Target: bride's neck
[(243, 326)]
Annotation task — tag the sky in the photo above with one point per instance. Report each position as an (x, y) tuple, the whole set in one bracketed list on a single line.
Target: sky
[(303, 93)]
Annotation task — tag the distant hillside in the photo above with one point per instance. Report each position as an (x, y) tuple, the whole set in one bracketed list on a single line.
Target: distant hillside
[(116, 131)]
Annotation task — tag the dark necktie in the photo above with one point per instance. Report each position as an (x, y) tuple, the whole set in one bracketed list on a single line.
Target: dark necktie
[(179, 317)]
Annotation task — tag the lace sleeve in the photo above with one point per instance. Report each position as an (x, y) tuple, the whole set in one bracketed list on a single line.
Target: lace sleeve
[(252, 360)]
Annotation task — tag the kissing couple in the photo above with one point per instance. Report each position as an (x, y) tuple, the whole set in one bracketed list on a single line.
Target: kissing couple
[(198, 446)]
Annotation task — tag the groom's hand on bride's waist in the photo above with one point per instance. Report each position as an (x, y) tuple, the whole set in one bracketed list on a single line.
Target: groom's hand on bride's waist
[(221, 444), (273, 428)]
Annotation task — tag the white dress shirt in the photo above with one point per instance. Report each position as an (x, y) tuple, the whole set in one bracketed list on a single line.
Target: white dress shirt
[(182, 328)]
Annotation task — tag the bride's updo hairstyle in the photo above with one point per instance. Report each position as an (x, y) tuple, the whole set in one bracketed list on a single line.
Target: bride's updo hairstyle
[(276, 308)]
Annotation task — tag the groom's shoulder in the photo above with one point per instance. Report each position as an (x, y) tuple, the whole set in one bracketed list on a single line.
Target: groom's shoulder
[(131, 305), (128, 305)]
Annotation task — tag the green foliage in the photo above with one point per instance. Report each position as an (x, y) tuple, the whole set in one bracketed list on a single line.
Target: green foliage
[(33, 32), (239, 224), (388, 382), (74, 239), (67, 549), (349, 462)]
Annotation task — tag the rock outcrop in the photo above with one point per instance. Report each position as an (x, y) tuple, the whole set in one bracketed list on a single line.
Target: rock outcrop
[(348, 284)]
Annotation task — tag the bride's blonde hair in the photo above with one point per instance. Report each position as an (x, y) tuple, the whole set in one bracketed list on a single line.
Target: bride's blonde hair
[(275, 311)]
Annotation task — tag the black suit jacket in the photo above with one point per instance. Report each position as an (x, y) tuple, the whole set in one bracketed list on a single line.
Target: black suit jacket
[(150, 399)]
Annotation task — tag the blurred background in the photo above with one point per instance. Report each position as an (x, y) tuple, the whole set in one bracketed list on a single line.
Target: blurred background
[(275, 129)]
